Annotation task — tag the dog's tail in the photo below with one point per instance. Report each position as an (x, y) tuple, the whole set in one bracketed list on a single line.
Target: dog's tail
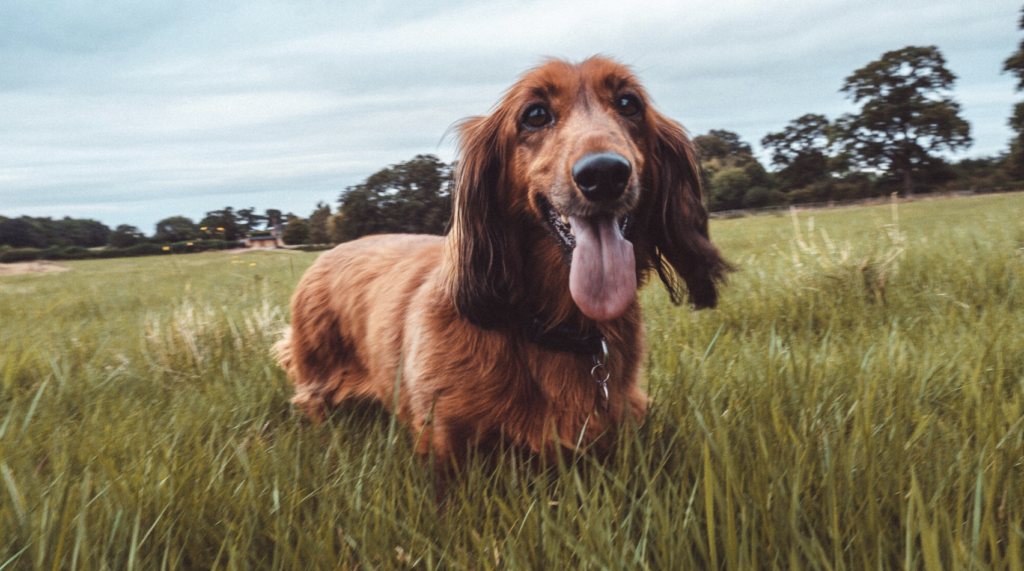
[(282, 351), (308, 397)]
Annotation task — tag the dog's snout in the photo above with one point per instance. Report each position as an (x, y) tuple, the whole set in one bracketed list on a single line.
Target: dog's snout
[(602, 176)]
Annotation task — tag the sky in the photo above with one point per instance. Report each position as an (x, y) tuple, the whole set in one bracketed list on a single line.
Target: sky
[(129, 112)]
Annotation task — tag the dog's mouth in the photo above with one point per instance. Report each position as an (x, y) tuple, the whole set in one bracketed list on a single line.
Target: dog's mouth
[(602, 268), (561, 227)]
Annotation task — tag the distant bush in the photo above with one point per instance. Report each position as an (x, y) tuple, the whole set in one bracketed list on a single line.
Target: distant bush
[(144, 249), (760, 197), (66, 253), (19, 255), (314, 247)]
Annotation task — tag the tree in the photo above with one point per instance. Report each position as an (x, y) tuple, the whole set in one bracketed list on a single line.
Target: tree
[(336, 228), (730, 171), (126, 235), (18, 233), (411, 197), (801, 151), (273, 217), (223, 224), (719, 143), (1015, 65), (80, 232), (296, 232), (318, 227), (175, 229), (907, 114), (249, 220), (727, 189)]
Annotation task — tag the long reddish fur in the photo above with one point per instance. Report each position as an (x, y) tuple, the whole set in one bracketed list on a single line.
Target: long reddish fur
[(436, 310)]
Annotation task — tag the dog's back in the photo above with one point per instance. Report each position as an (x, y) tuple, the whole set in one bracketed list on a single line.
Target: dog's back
[(348, 313)]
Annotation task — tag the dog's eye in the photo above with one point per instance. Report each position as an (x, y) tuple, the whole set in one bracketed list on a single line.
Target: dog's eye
[(536, 116), (629, 105)]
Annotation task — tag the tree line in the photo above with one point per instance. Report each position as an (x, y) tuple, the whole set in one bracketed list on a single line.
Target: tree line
[(896, 142), (226, 224)]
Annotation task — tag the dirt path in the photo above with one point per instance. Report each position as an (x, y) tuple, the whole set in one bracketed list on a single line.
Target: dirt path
[(248, 250), (19, 268)]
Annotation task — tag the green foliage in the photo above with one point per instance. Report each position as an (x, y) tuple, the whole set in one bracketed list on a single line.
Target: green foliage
[(801, 151), (141, 249), (730, 172), (760, 197), (720, 144), (249, 220), (314, 247), (1015, 63), (336, 228), (727, 188), (906, 114), (410, 197), (176, 229), (44, 232), (296, 232), (18, 233), (224, 224), (318, 224), (11, 255), (807, 423), (126, 235), (1015, 160)]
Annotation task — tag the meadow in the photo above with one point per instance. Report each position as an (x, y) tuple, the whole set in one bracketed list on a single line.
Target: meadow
[(856, 402)]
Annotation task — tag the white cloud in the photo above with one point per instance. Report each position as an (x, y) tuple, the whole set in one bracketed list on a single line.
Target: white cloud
[(134, 111)]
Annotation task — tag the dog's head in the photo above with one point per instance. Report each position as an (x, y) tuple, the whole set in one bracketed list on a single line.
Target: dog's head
[(579, 151)]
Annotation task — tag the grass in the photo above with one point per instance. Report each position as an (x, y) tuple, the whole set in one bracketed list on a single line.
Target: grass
[(857, 401)]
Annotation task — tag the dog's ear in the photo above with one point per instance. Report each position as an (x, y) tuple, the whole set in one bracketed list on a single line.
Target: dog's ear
[(481, 250), (676, 219)]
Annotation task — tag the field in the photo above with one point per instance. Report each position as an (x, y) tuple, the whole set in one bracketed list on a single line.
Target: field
[(856, 402)]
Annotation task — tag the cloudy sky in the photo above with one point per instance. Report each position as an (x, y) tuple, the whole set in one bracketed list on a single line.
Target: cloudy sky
[(128, 112)]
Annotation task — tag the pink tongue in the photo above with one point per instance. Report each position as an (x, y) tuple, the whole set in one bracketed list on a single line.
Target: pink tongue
[(602, 276)]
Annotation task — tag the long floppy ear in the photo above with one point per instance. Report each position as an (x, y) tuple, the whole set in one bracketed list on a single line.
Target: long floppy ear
[(481, 251), (678, 222)]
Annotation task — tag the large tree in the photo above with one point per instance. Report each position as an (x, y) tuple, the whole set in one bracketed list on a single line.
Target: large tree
[(907, 114), (175, 229), (224, 224), (800, 151), (126, 235), (1015, 65), (296, 231), (730, 171), (19, 233), (719, 144), (249, 220), (45, 232), (412, 197), (318, 224)]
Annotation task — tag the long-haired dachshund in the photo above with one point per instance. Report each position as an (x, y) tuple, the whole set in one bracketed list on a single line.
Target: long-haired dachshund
[(522, 324)]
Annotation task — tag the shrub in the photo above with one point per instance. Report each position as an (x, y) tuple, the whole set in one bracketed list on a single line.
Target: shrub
[(19, 255), (759, 197), (67, 253)]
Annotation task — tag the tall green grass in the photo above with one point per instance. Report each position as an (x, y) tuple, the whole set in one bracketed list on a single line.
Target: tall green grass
[(857, 401)]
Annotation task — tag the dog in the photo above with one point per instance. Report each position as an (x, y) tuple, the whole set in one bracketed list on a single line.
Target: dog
[(521, 326)]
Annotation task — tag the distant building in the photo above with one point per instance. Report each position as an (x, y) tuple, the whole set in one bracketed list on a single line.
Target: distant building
[(270, 238)]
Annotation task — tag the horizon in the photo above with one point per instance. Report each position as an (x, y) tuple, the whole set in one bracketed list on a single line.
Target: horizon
[(130, 114)]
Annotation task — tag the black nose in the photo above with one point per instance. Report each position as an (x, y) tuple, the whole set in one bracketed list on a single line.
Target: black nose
[(602, 176)]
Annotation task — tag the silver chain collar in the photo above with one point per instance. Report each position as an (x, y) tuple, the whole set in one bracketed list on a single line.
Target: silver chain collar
[(601, 374)]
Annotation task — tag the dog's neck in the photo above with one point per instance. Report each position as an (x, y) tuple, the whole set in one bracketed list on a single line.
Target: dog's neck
[(547, 314)]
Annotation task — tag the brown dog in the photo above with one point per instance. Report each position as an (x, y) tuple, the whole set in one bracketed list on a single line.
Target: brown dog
[(522, 324)]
